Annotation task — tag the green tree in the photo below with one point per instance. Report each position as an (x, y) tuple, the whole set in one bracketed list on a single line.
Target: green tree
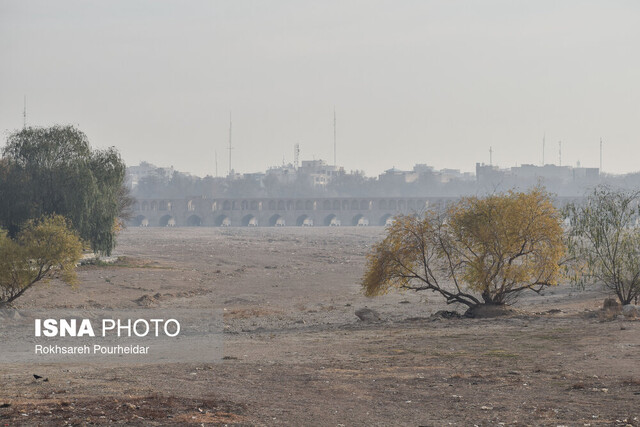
[(604, 242), (53, 170), (43, 249), (479, 251)]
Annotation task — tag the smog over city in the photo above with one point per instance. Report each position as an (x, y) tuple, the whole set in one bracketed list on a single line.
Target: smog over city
[(412, 212), (411, 82)]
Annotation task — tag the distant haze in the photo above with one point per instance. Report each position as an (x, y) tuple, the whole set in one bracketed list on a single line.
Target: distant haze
[(413, 81)]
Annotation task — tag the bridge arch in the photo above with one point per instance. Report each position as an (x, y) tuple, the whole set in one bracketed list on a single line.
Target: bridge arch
[(276, 221), (331, 221), (304, 221), (386, 219), (140, 221), (167, 221), (222, 221), (226, 205), (360, 220), (194, 221), (249, 221)]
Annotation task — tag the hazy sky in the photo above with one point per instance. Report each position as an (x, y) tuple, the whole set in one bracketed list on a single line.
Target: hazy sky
[(413, 81)]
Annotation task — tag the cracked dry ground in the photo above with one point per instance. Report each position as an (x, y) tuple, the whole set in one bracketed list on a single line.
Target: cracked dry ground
[(295, 353)]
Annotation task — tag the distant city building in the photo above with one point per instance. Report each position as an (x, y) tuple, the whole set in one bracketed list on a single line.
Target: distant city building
[(144, 169), (551, 172), (550, 175), (317, 177), (396, 176), (586, 174), (233, 175), (284, 173), (443, 175), (448, 175), (320, 172)]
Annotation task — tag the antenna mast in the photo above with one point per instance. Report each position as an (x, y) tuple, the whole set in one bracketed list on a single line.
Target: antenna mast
[(24, 113), (490, 156), (559, 153), (296, 156), (600, 155), (230, 147), (334, 136)]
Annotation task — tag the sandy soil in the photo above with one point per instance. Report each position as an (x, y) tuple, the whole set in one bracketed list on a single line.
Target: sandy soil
[(295, 353)]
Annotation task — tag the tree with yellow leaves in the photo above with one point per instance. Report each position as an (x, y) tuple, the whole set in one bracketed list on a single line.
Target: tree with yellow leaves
[(43, 249), (481, 250)]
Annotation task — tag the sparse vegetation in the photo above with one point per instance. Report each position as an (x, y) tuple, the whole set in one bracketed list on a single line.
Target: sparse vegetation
[(604, 242)]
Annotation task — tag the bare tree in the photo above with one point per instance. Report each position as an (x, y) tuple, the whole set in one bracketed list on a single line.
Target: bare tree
[(604, 242)]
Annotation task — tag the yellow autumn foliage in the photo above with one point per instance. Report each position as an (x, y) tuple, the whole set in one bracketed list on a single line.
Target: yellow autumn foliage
[(43, 249), (480, 249)]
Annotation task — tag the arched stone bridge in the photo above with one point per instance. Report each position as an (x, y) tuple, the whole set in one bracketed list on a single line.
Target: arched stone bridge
[(274, 212)]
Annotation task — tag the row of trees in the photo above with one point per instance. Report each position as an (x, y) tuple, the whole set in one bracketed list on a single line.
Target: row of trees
[(488, 250), (57, 195)]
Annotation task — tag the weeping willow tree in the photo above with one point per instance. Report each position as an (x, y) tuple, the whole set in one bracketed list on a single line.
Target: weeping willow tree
[(604, 242), (53, 170), (481, 250)]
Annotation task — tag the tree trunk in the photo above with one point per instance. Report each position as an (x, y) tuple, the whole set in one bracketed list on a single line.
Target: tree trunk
[(488, 300)]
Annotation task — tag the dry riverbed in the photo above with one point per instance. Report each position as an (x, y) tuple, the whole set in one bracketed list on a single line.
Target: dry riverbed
[(296, 354)]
